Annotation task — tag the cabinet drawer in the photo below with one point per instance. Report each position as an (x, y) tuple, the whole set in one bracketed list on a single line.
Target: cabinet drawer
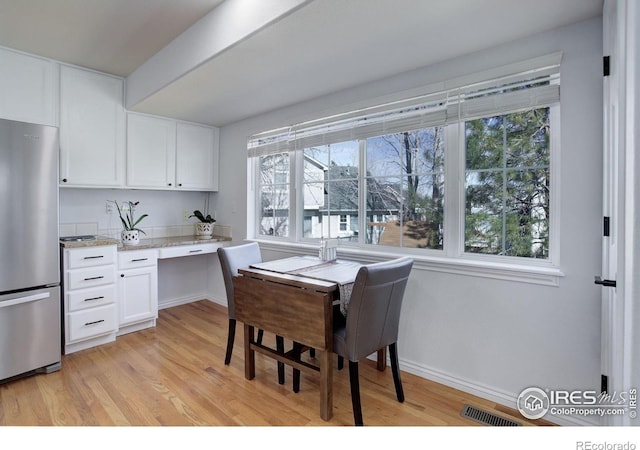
[(90, 256), (91, 322), (189, 250), (93, 276), (89, 298), (138, 258)]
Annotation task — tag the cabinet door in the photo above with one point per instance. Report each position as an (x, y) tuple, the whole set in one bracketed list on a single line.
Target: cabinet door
[(138, 294), (197, 157), (151, 151), (92, 121), (27, 88)]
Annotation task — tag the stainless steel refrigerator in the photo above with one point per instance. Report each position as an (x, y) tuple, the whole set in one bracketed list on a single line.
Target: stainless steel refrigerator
[(30, 335)]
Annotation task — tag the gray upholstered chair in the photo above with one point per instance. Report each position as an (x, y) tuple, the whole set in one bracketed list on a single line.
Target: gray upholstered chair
[(232, 259), (372, 321)]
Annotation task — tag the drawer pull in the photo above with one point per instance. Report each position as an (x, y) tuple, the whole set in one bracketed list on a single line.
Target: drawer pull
[(93, 298), (94, 278), (94, 322), (195, 251), (139, 259), (94, 257)]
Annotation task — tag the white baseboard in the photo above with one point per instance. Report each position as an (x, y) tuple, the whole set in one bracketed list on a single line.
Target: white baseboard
[(94, 342), (136, 327), (217, 301), (181, 300), (189, 299), (504, 398)]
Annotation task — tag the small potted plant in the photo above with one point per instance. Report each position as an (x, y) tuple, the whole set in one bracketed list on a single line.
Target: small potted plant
[(204, 228), (131, 233)]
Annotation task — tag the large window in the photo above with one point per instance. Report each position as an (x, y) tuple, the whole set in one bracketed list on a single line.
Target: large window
[(331, 186), (405, 189), (507, 184), (274, 195), (465, 172)]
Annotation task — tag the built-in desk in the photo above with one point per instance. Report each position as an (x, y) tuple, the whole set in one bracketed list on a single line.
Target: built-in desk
[(169, 247), (161, 279), (136, 281), (176, 246)]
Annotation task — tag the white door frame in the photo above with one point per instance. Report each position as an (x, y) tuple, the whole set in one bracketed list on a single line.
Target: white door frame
[(621, 171)]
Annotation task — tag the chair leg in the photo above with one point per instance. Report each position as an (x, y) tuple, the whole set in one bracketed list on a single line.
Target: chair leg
[(340, 362), (381, 363), (260, 334), (312, 352), (393, 354), (280, 348), (296, 372), (355, 393), (230, 338)]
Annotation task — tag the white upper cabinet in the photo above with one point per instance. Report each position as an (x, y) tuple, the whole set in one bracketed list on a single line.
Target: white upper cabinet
[(92, 129), (165, 154), (151, 151), (197, 148), (28, 88)]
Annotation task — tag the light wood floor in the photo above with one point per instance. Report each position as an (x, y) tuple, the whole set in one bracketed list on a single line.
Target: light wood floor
[(174, 374)]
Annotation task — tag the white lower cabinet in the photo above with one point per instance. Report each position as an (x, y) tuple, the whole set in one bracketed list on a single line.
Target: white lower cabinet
[(137, 281), (110, 292), (90, 302)]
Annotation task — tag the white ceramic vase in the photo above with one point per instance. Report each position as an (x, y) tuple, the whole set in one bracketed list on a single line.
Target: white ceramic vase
[(130, 237), (204, 230)]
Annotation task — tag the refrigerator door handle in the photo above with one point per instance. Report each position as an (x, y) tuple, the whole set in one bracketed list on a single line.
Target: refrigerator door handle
[(27, 299)]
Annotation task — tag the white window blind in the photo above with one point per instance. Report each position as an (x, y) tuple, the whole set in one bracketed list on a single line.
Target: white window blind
[(524, 85)]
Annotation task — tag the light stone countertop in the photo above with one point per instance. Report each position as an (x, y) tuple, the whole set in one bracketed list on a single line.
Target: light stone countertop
[(172, 241)]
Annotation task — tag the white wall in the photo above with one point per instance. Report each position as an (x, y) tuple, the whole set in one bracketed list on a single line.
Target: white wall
[(489, 337), (165, 208)]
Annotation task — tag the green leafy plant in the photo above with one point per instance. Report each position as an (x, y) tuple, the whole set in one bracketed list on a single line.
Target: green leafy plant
[(202, 218), (128, 221)]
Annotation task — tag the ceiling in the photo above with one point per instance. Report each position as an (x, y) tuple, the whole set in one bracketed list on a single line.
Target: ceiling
[(323, 46)]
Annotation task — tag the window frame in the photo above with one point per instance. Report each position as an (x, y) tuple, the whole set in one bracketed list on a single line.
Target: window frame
[(554, 194), (452, 258)]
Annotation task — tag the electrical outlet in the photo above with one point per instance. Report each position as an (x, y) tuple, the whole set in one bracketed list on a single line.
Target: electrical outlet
[(109, 208), (185, 216)]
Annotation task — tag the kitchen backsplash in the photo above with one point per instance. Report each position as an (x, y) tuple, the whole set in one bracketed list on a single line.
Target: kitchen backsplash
[(77, 229), (91, 212)]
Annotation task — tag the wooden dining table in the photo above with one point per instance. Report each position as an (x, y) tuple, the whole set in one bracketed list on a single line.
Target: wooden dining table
[(294, 298)]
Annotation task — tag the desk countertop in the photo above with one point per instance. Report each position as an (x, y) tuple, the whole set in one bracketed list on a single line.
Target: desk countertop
[(171, 241)]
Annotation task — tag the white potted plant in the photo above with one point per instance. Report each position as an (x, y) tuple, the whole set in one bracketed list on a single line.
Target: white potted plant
[(131, 233), (204, 228)]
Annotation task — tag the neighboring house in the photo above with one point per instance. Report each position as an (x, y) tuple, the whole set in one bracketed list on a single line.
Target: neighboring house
[(331, 203)]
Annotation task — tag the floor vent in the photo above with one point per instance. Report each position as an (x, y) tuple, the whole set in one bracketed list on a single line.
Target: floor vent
[(487, 418)]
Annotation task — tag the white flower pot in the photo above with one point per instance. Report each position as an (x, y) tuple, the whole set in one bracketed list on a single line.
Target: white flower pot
[(204, 230), (130, 237)]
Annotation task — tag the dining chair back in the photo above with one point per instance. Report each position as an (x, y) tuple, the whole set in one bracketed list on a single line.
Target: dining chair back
[(232, 259), (372, 321)]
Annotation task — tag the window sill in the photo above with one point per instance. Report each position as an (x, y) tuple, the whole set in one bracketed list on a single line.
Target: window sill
[(541, 275)]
